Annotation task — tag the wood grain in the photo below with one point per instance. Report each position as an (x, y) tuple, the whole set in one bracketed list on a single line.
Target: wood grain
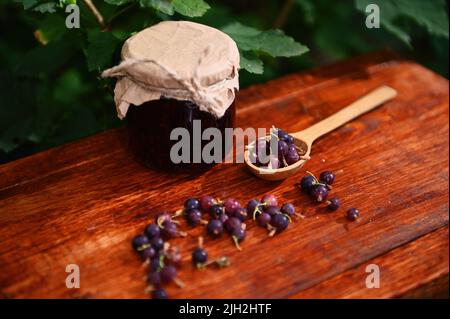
[(83, 202)]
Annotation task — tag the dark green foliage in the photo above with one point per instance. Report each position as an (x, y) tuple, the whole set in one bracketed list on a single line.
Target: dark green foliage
[(51, 92)]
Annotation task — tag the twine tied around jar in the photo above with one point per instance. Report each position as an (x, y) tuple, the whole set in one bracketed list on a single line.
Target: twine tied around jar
[(206, 97)]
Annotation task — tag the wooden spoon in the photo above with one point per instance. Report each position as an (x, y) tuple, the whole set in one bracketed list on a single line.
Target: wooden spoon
[(304, 139)]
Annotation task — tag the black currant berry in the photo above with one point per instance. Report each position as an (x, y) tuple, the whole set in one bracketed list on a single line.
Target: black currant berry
[(352, 214)]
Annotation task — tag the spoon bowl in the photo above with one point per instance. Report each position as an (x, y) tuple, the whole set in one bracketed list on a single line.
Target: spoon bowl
[(304, 139)]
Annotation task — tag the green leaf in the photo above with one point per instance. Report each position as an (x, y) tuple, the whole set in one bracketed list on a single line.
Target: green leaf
[(51, 28), (118, 2), (100, 49), (49, 7), (272, 42), (251, 63), (429, 14), (190, 8), (164, 6), (28, 4)]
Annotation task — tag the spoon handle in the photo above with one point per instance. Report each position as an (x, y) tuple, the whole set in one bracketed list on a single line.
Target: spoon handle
[(357, 108)]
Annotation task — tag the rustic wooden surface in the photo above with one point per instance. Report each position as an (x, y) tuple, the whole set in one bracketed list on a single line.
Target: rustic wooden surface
[(82, 202)]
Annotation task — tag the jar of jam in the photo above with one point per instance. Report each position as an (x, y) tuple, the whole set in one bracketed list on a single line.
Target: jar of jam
[(177, 80)]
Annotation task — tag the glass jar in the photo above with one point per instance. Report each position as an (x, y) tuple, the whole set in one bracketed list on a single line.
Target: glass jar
[(150, 124), (172, 74)]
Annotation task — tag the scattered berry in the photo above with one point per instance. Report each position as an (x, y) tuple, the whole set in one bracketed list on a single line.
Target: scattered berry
[(272, 210), (333, 204), (280, 222), (232, 224), (241, 214), (216, 210), (238, 236), (169, 230), (269, 200), (162, 217), (352, 214), (307, 183), (215, 227), (319, 193), (206, 202), (288, 209), (327, 177), (252, 206), (191, 203), (223, 218), (231, 205), (173, 257), (152, 231), (154, 279), (193, 217), (199, 256), (168, 273), (140, 242), (155, 265), (263, 219), (148, 253), (157, 243), (159, 294)]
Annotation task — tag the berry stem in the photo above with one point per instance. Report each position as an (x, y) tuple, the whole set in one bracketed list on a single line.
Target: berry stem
[(236, 243), (178, 282), (178, 213)]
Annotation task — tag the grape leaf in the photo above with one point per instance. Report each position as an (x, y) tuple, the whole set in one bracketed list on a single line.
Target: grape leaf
[(272, 42), (429, 14), (190, 8), (250, 62), (100, 50), (164, 6)]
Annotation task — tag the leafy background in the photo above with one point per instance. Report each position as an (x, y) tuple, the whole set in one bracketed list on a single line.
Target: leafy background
[(51, 92)]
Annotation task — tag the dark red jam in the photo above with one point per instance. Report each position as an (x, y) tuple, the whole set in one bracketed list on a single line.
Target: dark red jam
[(151, 124)]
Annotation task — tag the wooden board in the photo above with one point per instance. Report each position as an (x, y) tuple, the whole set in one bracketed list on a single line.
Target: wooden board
[(83, 202)]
